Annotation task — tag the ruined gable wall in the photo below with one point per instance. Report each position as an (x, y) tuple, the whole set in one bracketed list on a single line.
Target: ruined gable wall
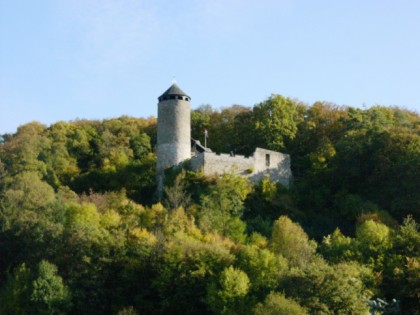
[(278, 169)]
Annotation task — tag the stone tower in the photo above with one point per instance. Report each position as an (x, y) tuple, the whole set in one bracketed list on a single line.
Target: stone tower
[(173, 130)]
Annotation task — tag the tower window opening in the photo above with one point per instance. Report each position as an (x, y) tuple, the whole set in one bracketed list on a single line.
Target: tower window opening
[(180, 97), (172, 97), (267, 160)]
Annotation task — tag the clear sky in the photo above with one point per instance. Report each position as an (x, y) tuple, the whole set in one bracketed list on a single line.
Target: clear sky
[(95, 59)]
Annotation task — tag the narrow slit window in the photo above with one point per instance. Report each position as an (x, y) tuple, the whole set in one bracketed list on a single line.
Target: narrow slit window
[(267, 160)]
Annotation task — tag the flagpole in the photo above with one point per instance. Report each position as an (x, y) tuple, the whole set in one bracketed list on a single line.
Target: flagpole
[(205, 138)]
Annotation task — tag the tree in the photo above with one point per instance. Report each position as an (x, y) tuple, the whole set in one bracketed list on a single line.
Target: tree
[(24, 151), (186, 268), (41, 292), (49, 294), (176, 195), (290, 240), (337, 248), (246, 139), (15, 292), (407, 240), (227, 296), (278, 304), (61, 166), (373, 240), (200, 121), (27, 191), (401, 275), (263, 267), (30, 221), (276, 120), (339, 289), (355, 169), (222, 208)]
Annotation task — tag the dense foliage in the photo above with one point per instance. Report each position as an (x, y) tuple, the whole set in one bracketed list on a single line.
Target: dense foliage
[(81, 230)]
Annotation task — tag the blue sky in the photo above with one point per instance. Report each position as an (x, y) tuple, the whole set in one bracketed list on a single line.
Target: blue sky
[(95, 59)]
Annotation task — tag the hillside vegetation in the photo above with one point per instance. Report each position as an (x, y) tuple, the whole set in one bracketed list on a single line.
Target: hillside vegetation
[(81, 230)]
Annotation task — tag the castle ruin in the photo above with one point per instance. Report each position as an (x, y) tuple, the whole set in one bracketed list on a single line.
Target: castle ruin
[(175, 146)]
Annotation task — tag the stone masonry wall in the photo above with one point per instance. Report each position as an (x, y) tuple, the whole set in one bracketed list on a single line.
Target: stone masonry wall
[(225, 163), (173, 133), (196, 163), (272, 163), (254, 167)]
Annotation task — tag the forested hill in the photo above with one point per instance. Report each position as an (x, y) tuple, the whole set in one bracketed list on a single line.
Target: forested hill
[(81, 231)]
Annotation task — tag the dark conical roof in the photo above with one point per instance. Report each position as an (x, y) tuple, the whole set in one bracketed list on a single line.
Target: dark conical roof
[(174, 90)]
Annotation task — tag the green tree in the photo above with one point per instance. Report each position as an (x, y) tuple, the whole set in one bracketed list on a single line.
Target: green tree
[(263, 268), (30, 221), (322, 126), (278, 304), (407, 240), (40, 292), (176, 195), (186, 268), (290, 240), (227, 296), (49, 294), (200, 121), (24, 151), (15, 292), (223, 129), (222, 208), (276, 120), (337, 247), (401, 273), (246, 139), (61, 166), (373, 240), (339, 289), (26, 191)]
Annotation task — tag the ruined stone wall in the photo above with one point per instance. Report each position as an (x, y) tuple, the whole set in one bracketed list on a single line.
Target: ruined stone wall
[(254, 167), (272, 163), (225, 163), (197, 162)]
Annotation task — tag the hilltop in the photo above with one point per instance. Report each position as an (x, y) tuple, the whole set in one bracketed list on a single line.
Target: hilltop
[(81, 230)]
